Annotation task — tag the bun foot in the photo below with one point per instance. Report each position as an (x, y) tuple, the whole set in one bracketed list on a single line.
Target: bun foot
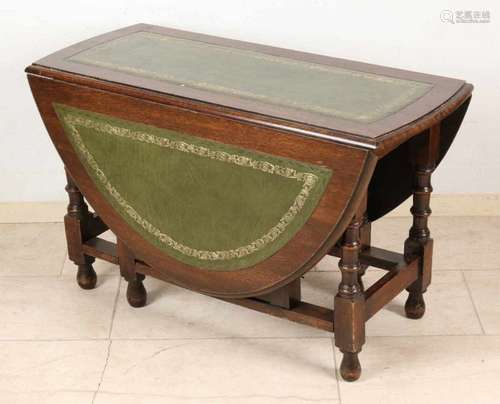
[(415, 306), (350, 368), (136, 292), (86, 276)]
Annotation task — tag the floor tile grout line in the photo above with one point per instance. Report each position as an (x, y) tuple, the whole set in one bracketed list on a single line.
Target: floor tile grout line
[(108, 354), (473, 302), (134, 394), (470, 270), (406, 216), (48, 391), (337, 381), (238, 338), (224, 396), (61, 272), (115, 306), (62, 275), (159, 339), (57, 276), (312, 271), (41, 222)]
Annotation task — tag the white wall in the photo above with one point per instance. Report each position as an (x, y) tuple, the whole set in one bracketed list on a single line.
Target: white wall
[(394, 33)]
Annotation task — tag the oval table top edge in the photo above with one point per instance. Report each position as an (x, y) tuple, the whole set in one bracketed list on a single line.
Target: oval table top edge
[(358, 134), (380, 145)]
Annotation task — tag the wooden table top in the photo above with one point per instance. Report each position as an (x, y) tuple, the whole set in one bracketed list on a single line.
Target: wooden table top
[(345, 101), (275, 150)]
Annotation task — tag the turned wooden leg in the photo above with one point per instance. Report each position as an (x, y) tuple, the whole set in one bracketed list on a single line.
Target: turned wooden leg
[(75, 222), (86, 276), (136, 292), (419, 242), (350, 368), (415, 304), (349, 322), (365, 235)]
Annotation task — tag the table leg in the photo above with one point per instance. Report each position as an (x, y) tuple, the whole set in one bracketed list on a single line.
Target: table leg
[(365, 239), (349, 313), (136, 292), (75, 221), (419, 242)]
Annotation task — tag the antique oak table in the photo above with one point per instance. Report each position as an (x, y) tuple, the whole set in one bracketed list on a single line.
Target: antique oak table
[(231, 169)]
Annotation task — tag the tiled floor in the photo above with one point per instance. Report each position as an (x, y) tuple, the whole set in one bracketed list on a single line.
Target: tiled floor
[(61, 344)]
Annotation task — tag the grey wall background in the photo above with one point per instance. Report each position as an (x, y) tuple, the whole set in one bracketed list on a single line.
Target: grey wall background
[(394, 33)]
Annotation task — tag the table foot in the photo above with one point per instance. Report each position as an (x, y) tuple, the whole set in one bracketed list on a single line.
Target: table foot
[(86, 276), (350, 368), (415, 306), (136, 292)]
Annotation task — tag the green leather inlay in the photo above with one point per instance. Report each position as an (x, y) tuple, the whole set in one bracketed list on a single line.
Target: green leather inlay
[(328, 90), (205, 203)]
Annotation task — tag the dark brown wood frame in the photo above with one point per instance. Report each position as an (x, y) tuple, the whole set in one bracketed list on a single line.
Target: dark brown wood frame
[(417, 137)]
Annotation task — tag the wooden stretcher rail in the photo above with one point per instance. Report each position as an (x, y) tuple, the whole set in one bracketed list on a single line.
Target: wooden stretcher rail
[(376, 257), (100, 248), (399, 276), (389, 286), (302, 312)]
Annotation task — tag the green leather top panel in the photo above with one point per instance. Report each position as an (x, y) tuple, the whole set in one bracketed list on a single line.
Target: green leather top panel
[(332, 91), (207, 204)]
